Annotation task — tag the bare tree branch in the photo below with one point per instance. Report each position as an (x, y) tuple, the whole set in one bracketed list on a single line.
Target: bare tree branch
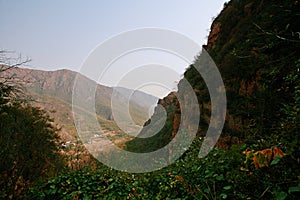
[(10, 83), (275, 35)]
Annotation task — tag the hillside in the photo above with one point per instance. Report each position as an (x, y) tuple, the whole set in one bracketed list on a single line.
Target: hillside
[(52, 91), (255, 45)]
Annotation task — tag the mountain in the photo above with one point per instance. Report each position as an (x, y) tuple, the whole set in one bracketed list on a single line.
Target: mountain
[(256, 47), (52, 91)]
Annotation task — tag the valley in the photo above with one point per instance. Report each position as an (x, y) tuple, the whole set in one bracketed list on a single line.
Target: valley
[(255, 45)]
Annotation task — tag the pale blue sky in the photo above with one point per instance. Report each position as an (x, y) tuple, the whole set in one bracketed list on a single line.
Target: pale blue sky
[(61, 33)]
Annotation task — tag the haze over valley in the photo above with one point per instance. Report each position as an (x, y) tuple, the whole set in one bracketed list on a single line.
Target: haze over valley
[(221, 119)]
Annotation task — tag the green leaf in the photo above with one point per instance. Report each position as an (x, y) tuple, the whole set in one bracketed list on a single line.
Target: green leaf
[(281, 195), (52, 186), (228, 187), (220, 177), (224, 196), (294, 188), (276, 160)]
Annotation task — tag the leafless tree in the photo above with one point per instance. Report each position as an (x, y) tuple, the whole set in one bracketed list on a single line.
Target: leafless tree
[(10, 83)]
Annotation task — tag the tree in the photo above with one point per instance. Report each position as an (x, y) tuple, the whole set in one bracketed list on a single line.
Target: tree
[(10, 84), (28, 139)]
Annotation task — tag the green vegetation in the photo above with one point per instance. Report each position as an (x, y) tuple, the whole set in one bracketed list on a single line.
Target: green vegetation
[(28, 140), (29, 148), (223, 174), (256, 46), (160, 139)]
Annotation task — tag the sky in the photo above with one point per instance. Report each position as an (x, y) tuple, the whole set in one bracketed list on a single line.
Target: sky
[(62, 33)]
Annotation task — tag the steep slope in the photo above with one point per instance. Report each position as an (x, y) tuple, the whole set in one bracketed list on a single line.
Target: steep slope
[(256, 45)]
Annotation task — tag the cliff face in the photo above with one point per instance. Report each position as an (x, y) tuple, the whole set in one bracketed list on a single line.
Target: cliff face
[(255, 45)]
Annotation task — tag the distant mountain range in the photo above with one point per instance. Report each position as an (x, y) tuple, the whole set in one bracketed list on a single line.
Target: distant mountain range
[(52, 91)]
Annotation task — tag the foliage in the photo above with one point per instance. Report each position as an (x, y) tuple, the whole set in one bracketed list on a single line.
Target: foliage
[(223, 174), (257, 47), (28, 147), (257, 52), (164, 136), (28, 140)]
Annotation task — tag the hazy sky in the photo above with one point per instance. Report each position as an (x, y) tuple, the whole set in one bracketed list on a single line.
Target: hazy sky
[(61, 33)]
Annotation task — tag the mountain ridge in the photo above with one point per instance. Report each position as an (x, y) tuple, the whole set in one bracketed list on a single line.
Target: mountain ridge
[(52, 91)]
